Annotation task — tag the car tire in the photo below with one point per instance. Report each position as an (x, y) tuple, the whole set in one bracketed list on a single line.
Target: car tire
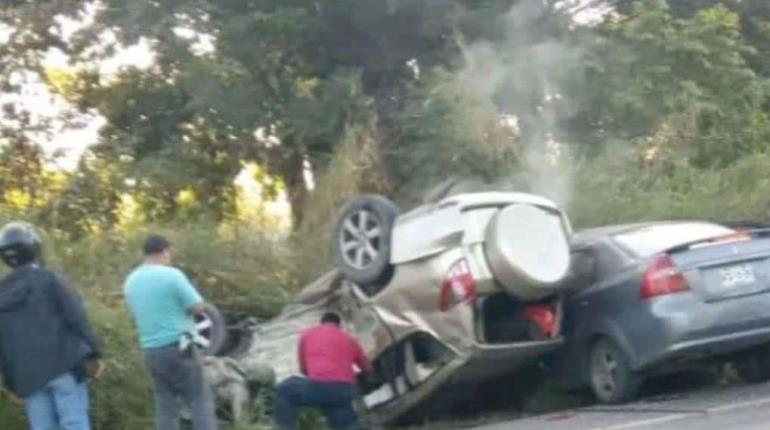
[(362, 239), (212, 327), (612, 380), (754, 365)]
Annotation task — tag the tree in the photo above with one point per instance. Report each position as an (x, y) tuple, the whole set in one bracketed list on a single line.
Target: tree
[(301, 70), (27, 33), (754, 18), (653, 68)]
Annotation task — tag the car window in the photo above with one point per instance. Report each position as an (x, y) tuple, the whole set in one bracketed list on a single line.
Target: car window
[(648, 241)]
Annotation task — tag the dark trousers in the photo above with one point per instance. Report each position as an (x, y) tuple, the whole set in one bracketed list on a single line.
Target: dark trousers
[(334, 399), (179, 376)]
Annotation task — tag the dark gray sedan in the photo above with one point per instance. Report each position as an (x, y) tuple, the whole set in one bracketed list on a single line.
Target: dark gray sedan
[(650, 298)]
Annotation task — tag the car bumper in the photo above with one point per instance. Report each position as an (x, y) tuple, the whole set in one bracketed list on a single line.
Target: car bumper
[(707, 347), (488, 361), (683, 328), (478, 363)]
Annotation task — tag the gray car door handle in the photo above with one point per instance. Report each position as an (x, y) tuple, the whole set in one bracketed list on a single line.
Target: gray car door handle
[(584, 304)]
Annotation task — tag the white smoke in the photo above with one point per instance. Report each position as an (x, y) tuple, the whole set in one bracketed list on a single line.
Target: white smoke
[(524, 75)]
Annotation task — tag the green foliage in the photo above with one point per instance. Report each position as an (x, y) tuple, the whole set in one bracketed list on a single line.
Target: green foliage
[(653, 66), (242, 270), (624, 188), (298, 69), (449, 131), (119, 400), (178, 132), (662, 111)]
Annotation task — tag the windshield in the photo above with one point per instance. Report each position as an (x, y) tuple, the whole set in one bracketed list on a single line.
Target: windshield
[(654, 239)]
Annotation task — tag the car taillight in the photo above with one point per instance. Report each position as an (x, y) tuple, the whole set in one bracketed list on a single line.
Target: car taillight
[(543, 316), (662, 277), (458, 287)]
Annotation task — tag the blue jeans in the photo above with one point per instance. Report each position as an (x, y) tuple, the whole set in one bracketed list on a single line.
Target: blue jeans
[(335, 399), (179, 376), (62, 404)]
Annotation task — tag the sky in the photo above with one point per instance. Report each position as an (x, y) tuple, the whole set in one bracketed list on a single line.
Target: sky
[(69, 142), (73, 141)]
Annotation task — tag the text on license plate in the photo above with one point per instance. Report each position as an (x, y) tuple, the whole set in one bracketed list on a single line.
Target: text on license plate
[(736, 276)]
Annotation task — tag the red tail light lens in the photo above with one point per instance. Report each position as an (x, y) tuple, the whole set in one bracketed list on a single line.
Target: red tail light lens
[(542, 315), (662, 277), (458, 287)]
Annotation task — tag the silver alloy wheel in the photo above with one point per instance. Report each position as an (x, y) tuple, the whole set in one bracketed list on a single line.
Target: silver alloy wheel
[(360, 239), (604, 368), (203, 325)]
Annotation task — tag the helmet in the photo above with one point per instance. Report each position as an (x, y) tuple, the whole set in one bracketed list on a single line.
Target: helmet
[(19, 244)]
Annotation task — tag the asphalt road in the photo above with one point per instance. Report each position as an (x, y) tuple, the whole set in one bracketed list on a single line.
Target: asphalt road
[(744, 407)]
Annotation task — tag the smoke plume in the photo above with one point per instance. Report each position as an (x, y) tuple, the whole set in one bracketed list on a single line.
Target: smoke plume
[(526, 74)]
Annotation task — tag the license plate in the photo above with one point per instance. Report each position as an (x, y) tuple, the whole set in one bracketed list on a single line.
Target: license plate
[(737, 276)]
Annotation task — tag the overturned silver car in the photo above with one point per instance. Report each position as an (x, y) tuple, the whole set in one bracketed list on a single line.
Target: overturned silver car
[(461, 290)]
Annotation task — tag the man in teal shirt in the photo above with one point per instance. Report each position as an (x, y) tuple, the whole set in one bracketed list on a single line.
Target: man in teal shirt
[(163, 303)]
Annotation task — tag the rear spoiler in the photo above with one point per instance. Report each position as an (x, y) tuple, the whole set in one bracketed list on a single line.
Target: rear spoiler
[(740, 234)]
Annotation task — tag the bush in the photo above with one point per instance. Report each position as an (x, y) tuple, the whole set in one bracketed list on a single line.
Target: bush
[(619, 187), (238, 268)]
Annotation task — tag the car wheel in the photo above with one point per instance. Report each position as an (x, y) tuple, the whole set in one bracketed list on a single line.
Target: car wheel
[(361, 242), (754, 365), (212, 329), (612, 380)]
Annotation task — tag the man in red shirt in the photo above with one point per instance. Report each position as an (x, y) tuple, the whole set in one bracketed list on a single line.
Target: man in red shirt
[(326, 357)]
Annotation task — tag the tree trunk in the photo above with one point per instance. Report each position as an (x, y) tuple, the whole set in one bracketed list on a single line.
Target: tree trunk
[(293, 172)]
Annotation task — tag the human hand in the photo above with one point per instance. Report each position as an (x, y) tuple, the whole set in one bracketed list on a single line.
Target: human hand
[(95, 368)]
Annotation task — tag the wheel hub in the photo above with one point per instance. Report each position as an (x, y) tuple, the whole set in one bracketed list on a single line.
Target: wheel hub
[(605, 373), (360, 239)]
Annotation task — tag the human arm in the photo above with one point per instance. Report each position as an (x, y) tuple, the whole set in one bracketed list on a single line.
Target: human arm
[(73, 312), (301, 355), (197, 309), (191, 299), (361, 360), (8, 385), (95, 368)]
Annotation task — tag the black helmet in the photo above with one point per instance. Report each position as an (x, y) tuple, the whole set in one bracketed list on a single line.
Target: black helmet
[(19, 244)]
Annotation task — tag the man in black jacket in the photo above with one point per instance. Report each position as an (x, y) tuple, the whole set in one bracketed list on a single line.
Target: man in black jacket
[(47, 346)]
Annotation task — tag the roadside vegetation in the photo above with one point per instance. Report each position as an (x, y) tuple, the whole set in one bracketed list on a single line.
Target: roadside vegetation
[(656, 110)]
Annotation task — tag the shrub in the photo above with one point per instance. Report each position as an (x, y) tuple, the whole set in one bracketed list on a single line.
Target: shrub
[(241, 269), (618, 187)]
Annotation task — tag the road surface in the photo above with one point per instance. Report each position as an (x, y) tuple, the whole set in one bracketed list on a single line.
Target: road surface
[(743, 407)]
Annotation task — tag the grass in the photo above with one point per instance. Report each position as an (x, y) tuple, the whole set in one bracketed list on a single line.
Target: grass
[(617, 188), (244, 271)]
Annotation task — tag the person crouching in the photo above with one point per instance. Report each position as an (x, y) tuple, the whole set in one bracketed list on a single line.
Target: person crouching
[(326, 356)]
